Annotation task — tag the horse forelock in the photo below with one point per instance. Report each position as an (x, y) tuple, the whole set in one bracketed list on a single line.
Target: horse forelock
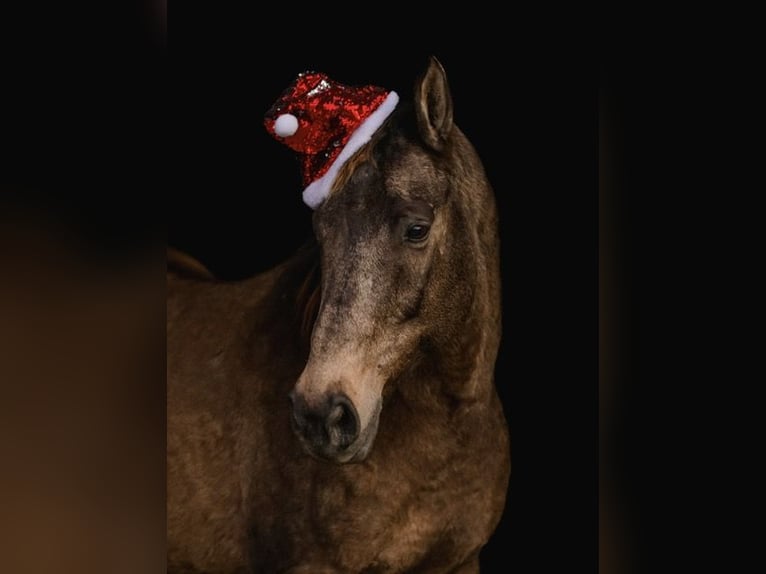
[(307, 301)]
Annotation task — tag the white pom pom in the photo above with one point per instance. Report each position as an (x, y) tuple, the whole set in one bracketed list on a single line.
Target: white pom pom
[(286, 125)]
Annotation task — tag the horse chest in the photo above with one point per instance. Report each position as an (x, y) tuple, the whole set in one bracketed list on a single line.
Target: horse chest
[(395, 521)]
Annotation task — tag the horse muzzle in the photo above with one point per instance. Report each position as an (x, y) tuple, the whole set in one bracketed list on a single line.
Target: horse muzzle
[(330, 429)]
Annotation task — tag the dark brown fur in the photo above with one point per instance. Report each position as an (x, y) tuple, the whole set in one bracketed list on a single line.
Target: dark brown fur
[(243, 494)]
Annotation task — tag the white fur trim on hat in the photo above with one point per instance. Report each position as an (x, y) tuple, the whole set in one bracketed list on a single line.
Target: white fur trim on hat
[(320, 188)]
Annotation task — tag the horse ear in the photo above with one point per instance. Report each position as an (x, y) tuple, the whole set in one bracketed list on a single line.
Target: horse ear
[(433, 106)]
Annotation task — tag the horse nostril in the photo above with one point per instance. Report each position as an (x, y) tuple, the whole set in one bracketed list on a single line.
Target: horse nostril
[(331, 427), (342, 423)]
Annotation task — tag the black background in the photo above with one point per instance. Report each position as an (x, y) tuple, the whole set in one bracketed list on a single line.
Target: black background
[(139, 145)]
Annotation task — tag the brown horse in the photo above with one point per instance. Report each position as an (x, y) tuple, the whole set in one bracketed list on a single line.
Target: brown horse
[(338, 413)]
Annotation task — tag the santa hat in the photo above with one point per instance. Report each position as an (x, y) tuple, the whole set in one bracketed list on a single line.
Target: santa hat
[(326, 123)]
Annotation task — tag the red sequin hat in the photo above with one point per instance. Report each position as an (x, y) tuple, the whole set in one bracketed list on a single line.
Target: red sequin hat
[(326, 123)]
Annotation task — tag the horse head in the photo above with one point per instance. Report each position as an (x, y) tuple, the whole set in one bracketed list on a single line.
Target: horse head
[(408, 250)]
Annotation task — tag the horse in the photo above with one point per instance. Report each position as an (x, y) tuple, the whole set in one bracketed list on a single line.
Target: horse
[(338, 412)]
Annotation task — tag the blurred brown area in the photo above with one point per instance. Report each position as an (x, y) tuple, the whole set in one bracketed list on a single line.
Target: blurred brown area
[(82, 336), (83, 401)]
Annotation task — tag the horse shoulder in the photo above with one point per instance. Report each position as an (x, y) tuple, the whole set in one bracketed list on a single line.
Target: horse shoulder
[(206, 526)]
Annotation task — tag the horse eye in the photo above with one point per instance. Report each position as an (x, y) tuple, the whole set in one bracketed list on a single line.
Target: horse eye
[(417, 232)]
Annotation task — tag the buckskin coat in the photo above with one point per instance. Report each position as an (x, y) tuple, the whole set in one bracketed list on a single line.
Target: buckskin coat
[(266, 472)]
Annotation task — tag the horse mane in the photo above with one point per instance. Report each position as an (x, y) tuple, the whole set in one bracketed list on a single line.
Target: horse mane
[(364, 154), (309, 295)]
